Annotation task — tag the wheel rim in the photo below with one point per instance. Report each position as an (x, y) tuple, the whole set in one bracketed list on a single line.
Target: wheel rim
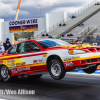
[(4, 71), (55, 69)]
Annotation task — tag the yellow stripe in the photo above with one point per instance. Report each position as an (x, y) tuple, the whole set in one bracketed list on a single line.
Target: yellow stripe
[(83, 58), (31, 65), (8, 56)]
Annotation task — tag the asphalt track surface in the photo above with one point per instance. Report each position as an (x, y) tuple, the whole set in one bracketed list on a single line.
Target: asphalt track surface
[(71, 87)]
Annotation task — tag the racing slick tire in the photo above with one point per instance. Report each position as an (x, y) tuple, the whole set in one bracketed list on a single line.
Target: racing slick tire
[(34, 76), (90, 70), (56, 69), (5, 75)]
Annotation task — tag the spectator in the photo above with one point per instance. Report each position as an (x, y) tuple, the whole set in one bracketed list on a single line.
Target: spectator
[(98, 38), (64, 24), (82, 24), (72, 42), (60, 24), (71, 34), (68, 34), (78, 41), (47, 34), (50, 36), (73, 16), (6, 44), (79, 24), (43, 35), (91, 39), (88, 38), (62, 35), (65, 35)]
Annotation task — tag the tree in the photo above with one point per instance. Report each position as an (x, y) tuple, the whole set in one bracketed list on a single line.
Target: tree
[(16, 36)]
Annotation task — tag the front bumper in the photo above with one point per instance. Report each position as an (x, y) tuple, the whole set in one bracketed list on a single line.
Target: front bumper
[(82, 61)]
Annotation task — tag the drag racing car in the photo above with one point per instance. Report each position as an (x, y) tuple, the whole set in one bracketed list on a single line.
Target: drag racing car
[(36, 57)]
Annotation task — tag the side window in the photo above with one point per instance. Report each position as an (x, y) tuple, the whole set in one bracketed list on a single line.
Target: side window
[(26, 46), (13, 50), (29, 45)]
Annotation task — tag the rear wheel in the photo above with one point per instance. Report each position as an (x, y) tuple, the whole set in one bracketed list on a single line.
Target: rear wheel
[(56, 69), (5, 74), (34, 76), (90, 70)]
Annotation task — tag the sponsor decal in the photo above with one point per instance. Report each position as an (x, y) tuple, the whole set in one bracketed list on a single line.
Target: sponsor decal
[(18, 64), (71, 57), (45, 55), (12, 61), (14, 71), (8, 61), (23, 63), (39, 61), (35, 61), (69, 64), (13, 65), (1, 61), (4, 61), (10, 67), (23, 69)]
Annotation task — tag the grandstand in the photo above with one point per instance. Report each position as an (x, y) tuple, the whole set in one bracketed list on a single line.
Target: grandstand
[(89, 16)]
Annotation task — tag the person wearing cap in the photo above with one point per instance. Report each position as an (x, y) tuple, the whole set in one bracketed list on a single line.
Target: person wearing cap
[(78, 41), (7, 44)]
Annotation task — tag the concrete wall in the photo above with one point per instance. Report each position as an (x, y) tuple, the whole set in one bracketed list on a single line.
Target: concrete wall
[(41, 25), (54, 18), (4, 32)]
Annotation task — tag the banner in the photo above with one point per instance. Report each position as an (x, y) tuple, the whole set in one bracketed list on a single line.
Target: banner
[(24, 28), (23, 25)]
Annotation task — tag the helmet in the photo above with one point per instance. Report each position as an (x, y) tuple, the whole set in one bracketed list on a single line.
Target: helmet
[(7, 39)]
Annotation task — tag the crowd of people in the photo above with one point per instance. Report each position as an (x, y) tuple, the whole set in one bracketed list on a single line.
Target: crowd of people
[(62, 24), (67, 34), (80, 24), (49, 36), (73, 16), (77, 41)]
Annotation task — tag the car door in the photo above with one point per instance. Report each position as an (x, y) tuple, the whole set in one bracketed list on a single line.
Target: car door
[(24, 59), (29, 58)]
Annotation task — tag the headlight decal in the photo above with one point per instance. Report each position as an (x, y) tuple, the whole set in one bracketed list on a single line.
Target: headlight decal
[(76, 51)]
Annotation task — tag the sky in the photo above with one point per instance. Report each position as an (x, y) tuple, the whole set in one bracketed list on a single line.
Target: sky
[(28, 8)]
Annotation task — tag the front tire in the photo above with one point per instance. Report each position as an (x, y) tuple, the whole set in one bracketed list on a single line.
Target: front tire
[(90, 70), (5, 75), (56, 69)]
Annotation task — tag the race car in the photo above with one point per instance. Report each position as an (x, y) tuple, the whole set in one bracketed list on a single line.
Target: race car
[(37, 56)]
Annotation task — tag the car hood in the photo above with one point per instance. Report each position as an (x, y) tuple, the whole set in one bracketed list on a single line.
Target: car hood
[(87, 48)]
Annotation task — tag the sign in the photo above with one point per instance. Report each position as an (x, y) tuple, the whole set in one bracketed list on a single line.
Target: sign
[(23, 25)]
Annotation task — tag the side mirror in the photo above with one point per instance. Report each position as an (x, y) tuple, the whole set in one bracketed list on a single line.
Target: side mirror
[(36, 48)]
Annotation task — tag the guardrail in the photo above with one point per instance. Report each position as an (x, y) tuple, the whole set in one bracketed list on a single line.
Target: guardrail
[(64, 20), (83, 36)]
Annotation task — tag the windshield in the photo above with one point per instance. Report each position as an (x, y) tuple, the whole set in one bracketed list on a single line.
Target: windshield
[(51, 43)]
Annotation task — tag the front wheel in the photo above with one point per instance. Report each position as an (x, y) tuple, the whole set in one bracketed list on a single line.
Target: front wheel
[(5, 74), (56, 69), (90, 70)]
